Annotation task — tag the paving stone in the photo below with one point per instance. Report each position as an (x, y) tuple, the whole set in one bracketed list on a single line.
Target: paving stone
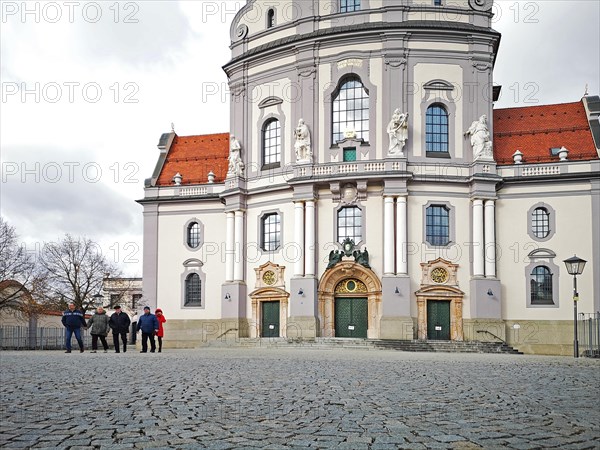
[(295, 398)]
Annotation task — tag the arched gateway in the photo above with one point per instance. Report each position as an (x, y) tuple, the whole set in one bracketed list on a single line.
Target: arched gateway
[(350, 302)]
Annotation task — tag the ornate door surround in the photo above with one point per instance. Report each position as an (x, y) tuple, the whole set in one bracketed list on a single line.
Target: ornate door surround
[(332, 278), (270, 287), (439, 282)]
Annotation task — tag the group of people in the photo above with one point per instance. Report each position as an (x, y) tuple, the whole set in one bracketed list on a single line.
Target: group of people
[(100, 325)]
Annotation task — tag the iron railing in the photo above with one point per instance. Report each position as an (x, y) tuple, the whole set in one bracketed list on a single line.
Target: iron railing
[(15, 337), (589, 334)]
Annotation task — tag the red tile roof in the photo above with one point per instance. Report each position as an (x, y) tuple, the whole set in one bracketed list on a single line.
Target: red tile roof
[(194, 156), (535, 129)]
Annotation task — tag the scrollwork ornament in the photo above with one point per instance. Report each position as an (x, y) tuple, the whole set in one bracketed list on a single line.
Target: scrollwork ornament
[(242, 31), (481, 5)]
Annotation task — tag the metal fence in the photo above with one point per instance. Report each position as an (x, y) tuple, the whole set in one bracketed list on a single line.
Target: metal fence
[(38, 338), (589, 334)]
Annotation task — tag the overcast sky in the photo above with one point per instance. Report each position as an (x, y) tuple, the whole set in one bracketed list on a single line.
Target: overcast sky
[(88, 88)]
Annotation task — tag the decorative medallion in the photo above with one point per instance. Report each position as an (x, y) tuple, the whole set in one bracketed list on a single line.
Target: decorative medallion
[(351, 286), (269, 277), (439, 275), (349, 194), (348, 246)]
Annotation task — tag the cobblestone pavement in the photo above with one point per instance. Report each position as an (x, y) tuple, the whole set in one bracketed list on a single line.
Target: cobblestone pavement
[(294, 398)]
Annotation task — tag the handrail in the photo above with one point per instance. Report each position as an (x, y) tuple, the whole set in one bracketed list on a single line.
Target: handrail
[(225, 332), (492, 334)]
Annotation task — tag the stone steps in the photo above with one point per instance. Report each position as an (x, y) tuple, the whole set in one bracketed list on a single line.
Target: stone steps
[(380, 344)]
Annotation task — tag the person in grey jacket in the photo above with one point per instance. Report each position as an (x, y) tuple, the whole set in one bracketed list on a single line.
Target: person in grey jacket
[(99, 329)]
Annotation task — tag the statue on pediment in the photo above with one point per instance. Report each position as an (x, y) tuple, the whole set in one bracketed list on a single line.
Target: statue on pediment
[(302, 144), (397, 131), (236, 165), (480, 139)]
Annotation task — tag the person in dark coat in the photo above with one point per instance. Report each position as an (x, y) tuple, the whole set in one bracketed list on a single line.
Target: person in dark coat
[(148, 323), (119, 323), (73, 320), (99, 329), (161, 330)]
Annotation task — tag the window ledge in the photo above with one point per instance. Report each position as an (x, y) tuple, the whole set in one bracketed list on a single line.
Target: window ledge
[(438, 155), (270, 166)]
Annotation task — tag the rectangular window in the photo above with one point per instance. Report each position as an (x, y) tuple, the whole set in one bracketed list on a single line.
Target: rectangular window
[(115, 299), (349, 154), (349, 5), (135, 300), (541, 286), (436, 131), (350, 224), (437, 225), (193, 290), (271, 232), (437, 2)]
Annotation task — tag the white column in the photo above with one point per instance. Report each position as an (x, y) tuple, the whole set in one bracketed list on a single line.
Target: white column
[(388, 235), (309, 263), (490, 239), (299, 238), (478, 268), (229, 246), (401, 236), (238, 268)]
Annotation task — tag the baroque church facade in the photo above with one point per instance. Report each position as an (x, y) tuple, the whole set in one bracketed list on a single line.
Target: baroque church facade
[(368, 188)]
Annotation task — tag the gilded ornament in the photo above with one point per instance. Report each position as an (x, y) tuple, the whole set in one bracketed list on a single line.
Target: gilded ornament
[(439, 275), (269, 277)]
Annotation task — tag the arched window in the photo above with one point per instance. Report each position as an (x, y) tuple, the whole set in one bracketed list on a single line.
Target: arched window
[(271, 135), (193, 290), (193, 235), (350, 110), (271, 232), (436, 129), (349, 5), (541, 286), (271, 18), (350, 224), (540, 222), (437, 225)]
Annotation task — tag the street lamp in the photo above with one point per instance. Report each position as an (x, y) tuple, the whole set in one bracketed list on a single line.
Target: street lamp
[(98, 298), (575, 267)]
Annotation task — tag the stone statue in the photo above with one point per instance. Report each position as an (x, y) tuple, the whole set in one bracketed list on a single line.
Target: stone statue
[(480, 139), (302, 144), (362, 258), (236, 165), (335, 256), (397, 130)]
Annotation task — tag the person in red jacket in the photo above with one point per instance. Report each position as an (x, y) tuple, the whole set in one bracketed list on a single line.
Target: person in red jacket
[(161, 330)]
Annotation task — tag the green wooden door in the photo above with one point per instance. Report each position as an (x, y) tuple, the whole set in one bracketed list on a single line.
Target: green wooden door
[(270, 319), (351, 317), (438, 320)]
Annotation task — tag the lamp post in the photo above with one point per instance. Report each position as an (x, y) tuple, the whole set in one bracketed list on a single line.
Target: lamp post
[(575, 267), (97, 298)]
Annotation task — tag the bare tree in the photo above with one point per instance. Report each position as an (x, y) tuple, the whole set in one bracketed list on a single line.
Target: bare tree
[(17, 270), (75, 268)]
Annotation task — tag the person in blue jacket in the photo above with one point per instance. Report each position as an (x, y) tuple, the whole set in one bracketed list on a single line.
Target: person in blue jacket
[(73, 320), (148, 323)]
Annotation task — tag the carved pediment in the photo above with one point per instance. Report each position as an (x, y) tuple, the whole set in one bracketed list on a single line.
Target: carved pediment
[(438, 85), (270, 275), (439, 272), (270, 101), (542, 253)]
